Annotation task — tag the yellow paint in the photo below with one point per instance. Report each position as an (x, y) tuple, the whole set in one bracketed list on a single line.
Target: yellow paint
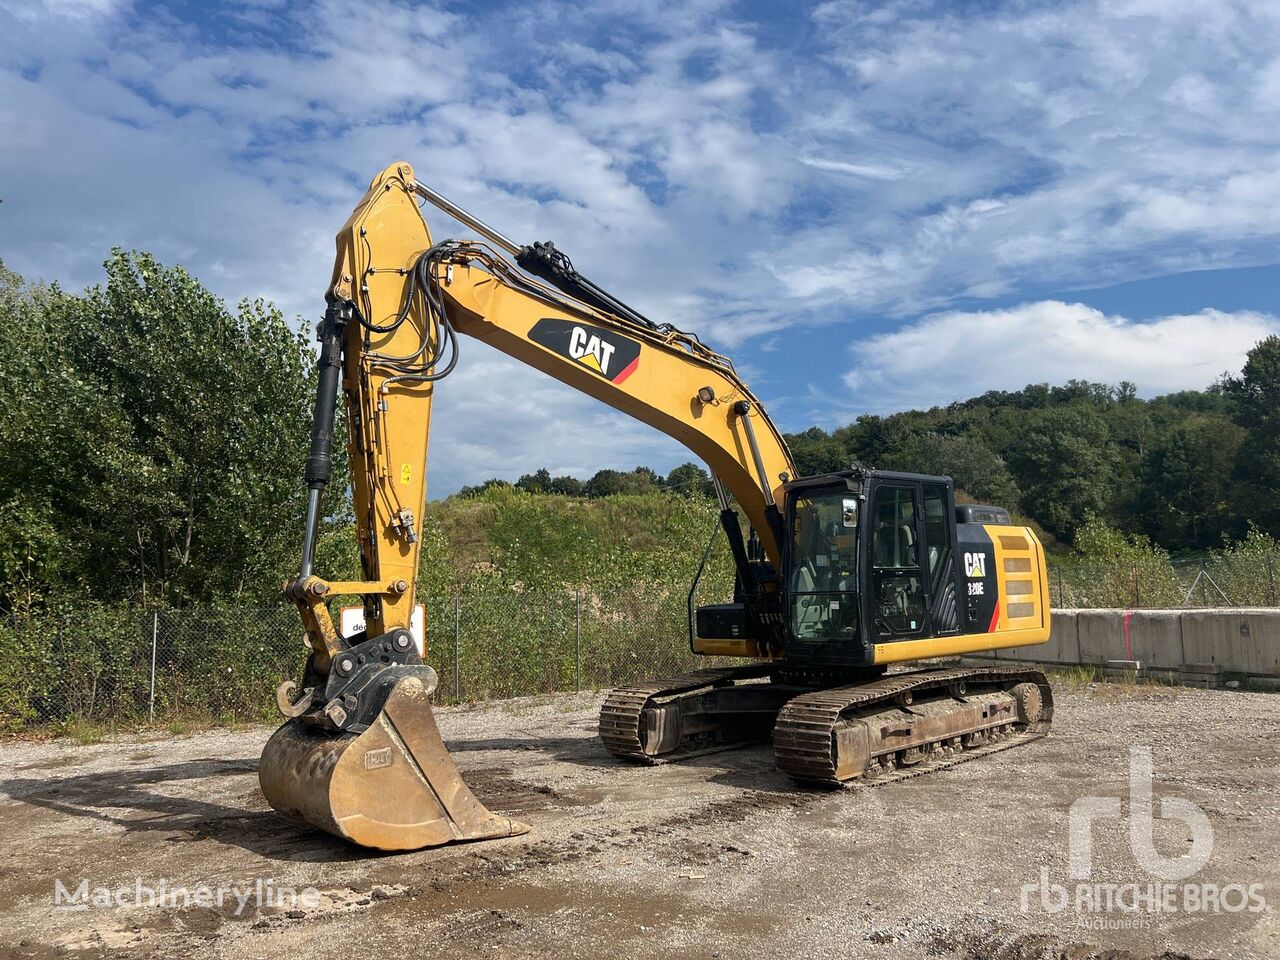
[(952, 646), (661, 392), (1020, 565), (386, 231), (726, 648), (1022, 574)]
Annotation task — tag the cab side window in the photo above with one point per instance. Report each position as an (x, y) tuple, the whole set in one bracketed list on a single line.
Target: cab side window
[(937, 533), (895, 534), (898, 581)]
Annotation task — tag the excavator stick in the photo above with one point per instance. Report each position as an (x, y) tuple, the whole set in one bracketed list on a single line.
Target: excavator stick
[(391, 787), (360, 755)]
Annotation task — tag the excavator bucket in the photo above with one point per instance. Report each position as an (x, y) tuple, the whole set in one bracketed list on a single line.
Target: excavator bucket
[(392, 787)]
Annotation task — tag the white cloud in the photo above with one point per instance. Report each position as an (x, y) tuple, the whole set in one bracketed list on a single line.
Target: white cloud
[(945, 156), (872, 171), (730, 177), (1116, 138), (75, 9), (955, 355)]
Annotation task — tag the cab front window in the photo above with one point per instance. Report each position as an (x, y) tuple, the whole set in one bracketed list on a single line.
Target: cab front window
[(822, 566)]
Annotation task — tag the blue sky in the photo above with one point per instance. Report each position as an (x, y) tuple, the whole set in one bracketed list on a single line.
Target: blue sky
[(868, 206)]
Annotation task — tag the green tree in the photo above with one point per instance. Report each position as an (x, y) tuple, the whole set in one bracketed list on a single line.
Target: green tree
[(1256, 396), (1064, 465), (34, 549), (690, 479), (968, 461), (480, 489), (815, 452), (607, 483), (151, 441), (1187, 483), (537, 482), (566, 486)]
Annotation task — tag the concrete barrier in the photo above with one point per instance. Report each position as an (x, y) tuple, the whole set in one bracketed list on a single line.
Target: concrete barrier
[(1246, 640), (1063, 645), (1101, 635), (1152, 637)]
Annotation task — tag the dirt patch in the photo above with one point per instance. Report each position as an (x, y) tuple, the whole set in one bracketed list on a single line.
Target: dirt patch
[(498, 789), (1036, 947), (719, 856), (70, 760)]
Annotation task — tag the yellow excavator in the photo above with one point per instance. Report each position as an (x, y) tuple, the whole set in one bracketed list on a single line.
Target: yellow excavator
[(838, 576)]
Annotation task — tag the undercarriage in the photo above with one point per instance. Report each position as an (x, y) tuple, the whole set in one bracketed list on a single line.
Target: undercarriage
[(895, 726)]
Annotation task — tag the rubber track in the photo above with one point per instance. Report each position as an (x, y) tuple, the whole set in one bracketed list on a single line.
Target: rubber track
[(621, 714), (802, 736)]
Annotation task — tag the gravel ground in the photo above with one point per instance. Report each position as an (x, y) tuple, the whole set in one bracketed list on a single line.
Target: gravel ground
[(716, 857)]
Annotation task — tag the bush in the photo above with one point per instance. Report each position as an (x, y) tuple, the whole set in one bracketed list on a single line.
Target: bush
[(1245, 571), (1112, 569)]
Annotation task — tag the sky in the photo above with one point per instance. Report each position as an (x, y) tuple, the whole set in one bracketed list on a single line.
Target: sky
[(869, 206)]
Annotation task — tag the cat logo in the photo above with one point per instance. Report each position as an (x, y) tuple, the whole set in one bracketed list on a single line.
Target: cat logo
[(975, 565), (603, 352), (591, 350)]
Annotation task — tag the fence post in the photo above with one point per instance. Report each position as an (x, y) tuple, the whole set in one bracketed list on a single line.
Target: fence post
[(457, 646), (1062, 596), (1271, 578), (577, 640), (1137, 588), (155, 632)]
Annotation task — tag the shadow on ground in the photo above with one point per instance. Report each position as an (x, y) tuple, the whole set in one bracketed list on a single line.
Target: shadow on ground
[(130, 800)]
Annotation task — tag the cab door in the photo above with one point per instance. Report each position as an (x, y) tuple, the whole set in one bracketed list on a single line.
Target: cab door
[(898, 598)]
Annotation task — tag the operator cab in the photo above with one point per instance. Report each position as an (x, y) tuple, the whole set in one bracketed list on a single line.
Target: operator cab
[(869, 559)]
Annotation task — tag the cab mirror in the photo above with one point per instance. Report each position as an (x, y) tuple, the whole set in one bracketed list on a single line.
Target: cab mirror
[(849, 512)]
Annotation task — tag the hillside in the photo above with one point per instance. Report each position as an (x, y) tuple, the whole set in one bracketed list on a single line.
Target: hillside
[(1186, 470)]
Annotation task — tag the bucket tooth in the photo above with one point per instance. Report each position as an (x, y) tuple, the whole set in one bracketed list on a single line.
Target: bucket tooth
[(392, 787)]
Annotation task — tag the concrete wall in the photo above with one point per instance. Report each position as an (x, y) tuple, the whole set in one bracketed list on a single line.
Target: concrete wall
[(1062, 647), (1152, 637), (1243, 640)]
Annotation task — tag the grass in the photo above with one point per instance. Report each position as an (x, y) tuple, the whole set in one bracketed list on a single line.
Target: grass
[(1075, 678), (1091, 680), (85, 732)]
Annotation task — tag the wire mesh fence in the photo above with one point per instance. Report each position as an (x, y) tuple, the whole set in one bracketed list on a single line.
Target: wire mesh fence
[(1241, 579), (124, 665)]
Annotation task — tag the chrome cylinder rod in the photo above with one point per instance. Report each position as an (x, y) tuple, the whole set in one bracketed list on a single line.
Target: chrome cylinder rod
[(475, 223), (309, 533), (743, 409)]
